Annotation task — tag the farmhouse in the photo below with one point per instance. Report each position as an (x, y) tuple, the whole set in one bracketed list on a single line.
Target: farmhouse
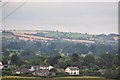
[(41, 73), (102, 71), (72, 70), (33, 68), (20, 71)]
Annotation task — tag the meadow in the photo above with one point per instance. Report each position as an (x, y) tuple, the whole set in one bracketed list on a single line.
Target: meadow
[(55, 78)]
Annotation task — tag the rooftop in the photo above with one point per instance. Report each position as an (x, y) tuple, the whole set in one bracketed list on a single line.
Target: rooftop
[(73, 68)]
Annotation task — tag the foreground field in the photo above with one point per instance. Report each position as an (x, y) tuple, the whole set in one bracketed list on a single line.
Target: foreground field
[(56, 78)]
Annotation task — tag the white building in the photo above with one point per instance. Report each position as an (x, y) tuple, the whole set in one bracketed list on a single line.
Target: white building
[(1, 66), (72, 70), (33, 68)]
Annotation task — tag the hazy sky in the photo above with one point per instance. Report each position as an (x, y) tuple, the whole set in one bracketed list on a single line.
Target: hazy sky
[(86, 17)]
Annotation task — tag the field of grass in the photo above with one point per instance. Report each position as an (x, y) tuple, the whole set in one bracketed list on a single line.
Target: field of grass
[(56, 78), (65, 35), (7, 35)]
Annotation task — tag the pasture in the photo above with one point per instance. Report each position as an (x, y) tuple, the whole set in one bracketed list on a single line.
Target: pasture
[(55, 78)]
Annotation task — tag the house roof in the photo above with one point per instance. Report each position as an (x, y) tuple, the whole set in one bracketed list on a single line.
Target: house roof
[(42, 71), (73, 68), (22, 70), (7, 66), (0, 63), (102, 70), (40, 66)]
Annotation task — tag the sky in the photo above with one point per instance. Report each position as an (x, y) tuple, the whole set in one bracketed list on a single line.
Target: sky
[(82, 17)]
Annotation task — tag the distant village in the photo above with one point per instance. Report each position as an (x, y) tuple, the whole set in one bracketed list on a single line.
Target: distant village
[(40, 70), (43, 70)]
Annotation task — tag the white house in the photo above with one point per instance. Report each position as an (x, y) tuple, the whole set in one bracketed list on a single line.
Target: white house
[(1, 66), (72, 70), (33, 68)]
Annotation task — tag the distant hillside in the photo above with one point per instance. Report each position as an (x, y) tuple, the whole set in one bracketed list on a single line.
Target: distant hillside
[(54, 42), (66, 36)]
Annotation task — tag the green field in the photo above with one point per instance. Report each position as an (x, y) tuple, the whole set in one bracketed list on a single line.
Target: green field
[(7, 35), (66, 35), (56, 78)]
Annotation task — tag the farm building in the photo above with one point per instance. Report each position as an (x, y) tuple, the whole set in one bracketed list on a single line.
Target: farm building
[(72, 70), (41, 73), (1, 66), (33, 68), (20, 71)]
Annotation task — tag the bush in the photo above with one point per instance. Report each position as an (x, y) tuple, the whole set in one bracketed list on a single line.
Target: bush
[(111, 74), (61, 74), (6, 72)]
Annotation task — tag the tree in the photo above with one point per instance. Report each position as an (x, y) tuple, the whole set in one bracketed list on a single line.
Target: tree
[(109, 59), (15, 60), (38, 60), (93, 48), (54, 60), (89, 60), (75, 57)]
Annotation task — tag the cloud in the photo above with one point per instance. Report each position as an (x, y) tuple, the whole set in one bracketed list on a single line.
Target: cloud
[(85, 17)]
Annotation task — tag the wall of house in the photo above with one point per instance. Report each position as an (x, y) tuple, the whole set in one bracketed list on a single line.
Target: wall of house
[(72, 72)]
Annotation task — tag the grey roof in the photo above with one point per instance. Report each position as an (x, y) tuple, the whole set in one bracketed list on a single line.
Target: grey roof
[(40, 66), (73, 68), (22, 70), (41, 71)]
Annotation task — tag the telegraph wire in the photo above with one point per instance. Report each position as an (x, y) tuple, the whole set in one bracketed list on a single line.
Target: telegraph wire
[(13, 11), (3, 4)]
